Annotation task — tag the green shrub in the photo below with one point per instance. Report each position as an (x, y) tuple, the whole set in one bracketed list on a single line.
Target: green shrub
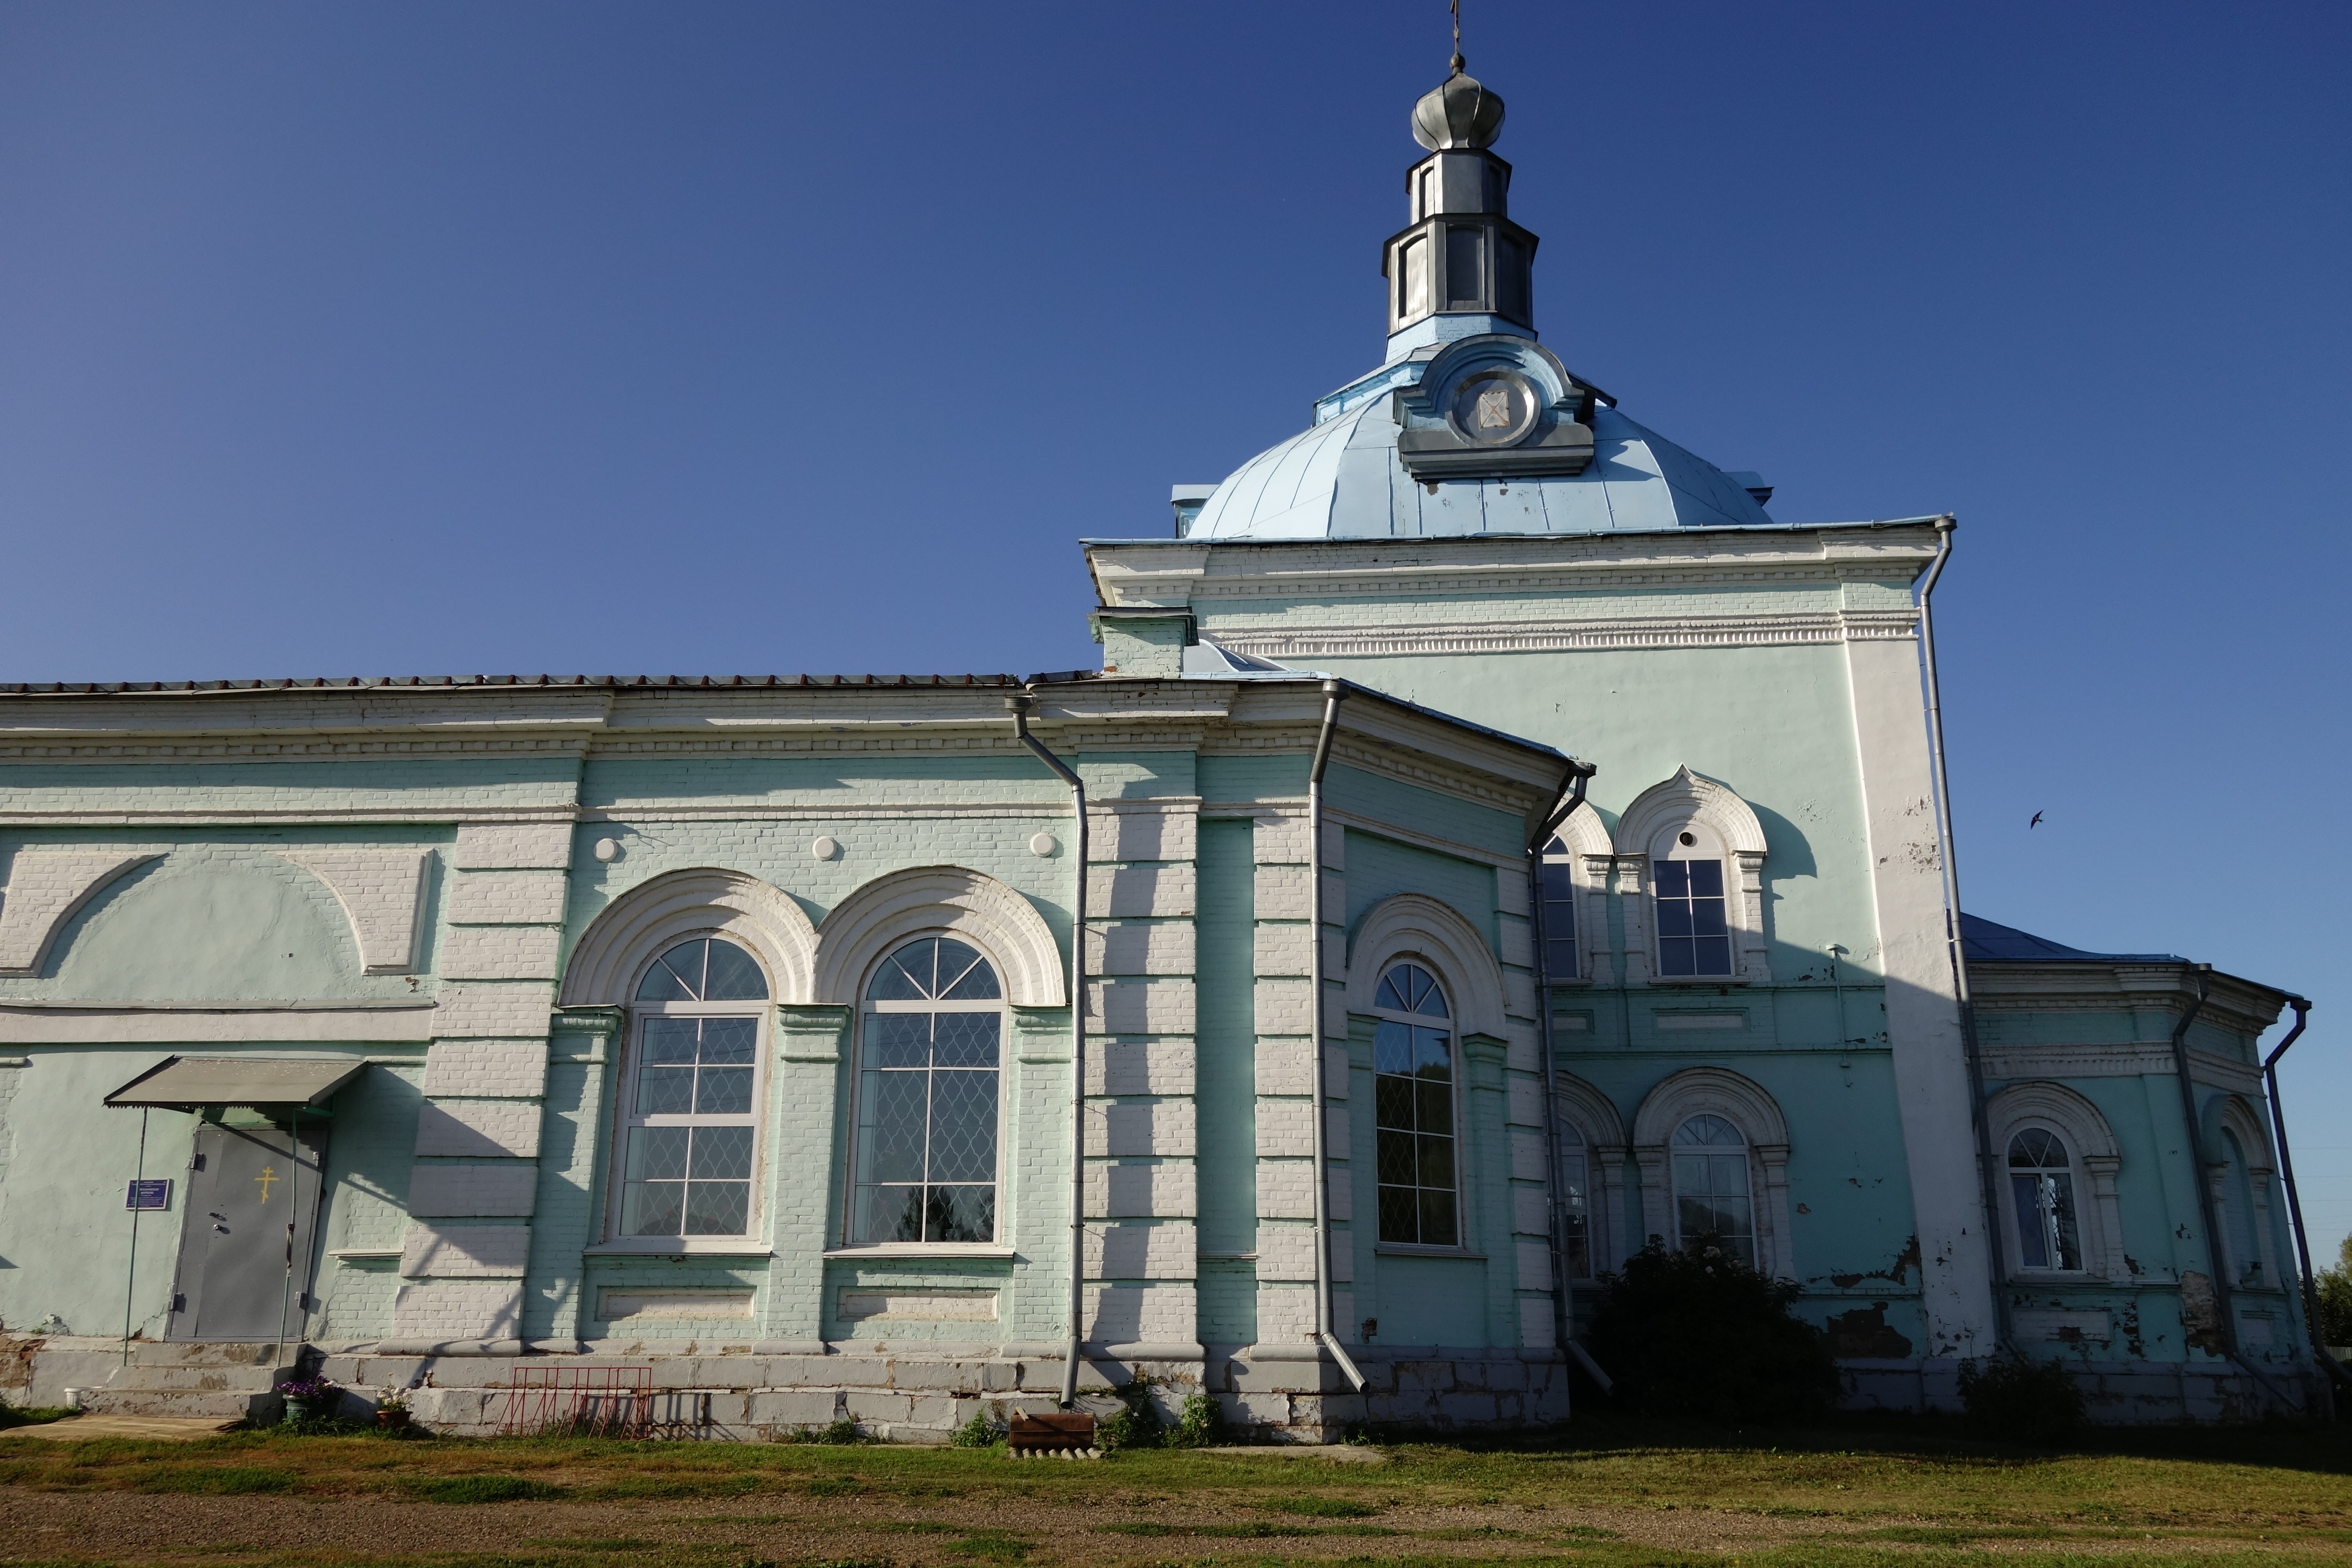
[(979, 1432), (1138, 1424), (1700, 1333), (2021, 1401), (484, 1488), (2336, 1298), (1200, 1423)]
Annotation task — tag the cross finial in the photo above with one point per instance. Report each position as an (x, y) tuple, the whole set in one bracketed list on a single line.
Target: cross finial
[(1455, 8)]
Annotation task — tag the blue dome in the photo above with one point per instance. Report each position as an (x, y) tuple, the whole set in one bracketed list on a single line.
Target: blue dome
[(1343, 480)]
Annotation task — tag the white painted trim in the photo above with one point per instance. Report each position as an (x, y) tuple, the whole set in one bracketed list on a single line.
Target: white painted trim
[(1746, 1105), (1595, 634), (46, 888), (1693, 799), (1425, 931), (948, 899), (2091, 1149), (128, 1024), (704, 900)]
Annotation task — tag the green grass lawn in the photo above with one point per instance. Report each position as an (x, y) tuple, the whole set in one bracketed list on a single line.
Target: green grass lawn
[(1603, 1492)]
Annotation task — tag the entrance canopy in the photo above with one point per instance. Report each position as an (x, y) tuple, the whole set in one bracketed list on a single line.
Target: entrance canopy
[(190, 1083)]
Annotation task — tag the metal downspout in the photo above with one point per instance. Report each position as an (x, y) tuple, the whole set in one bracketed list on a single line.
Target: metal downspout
[(1020, 707), (1332, 691), (1571, 797), (1988, 1172), (2334, 1369)]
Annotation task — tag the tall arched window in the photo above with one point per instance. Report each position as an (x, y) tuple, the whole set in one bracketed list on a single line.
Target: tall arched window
[(1559, 893), (2041, 1190), (1412, 1087), (924, 1166), (1694, 919), (689, 1122), (1712, 1199), (1576, 1230)]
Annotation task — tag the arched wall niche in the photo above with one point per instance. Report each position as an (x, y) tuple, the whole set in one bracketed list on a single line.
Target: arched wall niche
[(675, 905), (1000, 921), (1435, 934)]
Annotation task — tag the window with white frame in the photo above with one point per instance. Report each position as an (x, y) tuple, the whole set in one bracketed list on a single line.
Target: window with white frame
[(1575, 1226), (1412, 1093), (1559, 896), (1690, 900), (1714, 1205), (2042, 1196), (689, 1125), (923, 1165)]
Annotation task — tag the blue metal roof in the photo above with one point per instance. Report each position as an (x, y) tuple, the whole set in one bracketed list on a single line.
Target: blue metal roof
[(1986, 941)]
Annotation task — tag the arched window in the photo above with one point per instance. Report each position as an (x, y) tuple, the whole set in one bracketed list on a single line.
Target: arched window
[(689, 1122), (1712, 1200), (1558, 894), (1694, 919), (1575, 1225), (2041, 1190), (924, 1162), (1412, 1051)]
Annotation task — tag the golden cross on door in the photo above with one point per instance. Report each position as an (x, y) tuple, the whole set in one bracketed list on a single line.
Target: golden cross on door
[(268, 1174)]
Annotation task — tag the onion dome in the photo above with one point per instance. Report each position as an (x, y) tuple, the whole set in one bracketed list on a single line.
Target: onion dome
[(1457, 112)]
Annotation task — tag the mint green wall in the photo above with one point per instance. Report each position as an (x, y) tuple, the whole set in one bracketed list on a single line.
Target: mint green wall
[(1227, 1044), (1381, 867)]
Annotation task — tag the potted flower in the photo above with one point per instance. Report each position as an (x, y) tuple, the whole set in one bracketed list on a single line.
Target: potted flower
[(392, 1407), (307, 1398)]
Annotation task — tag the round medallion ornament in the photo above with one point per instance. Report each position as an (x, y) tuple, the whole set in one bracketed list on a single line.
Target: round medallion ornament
[(1495, 409)]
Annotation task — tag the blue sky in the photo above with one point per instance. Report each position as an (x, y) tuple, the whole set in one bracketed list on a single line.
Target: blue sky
[(434, 337)]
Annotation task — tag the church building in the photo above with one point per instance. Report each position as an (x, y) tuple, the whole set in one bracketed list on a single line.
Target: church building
[(1491, 843)]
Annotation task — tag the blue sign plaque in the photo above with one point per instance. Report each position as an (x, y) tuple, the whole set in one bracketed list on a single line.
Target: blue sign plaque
[(150, 1194)]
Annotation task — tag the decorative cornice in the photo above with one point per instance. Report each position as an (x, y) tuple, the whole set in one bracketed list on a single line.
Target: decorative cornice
[(1570, 634)]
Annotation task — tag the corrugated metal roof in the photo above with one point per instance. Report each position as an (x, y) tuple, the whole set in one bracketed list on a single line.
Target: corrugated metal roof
[(1986, 942), (407, 682), (185, 1083)]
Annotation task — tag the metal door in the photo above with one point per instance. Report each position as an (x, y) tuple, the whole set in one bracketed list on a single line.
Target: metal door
[(245, 1244)]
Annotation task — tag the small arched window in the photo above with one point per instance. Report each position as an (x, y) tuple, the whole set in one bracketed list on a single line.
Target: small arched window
[(924, 1161), (1694, 918), (2041, 1190), (1558, 894), (1412, 1087), (1713, 1201), (689, 1127)]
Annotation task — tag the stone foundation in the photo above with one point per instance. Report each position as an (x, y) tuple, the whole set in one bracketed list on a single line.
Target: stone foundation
[(2115, 1393)]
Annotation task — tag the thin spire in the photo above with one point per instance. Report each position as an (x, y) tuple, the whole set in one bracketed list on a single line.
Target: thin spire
[(1455, 8)]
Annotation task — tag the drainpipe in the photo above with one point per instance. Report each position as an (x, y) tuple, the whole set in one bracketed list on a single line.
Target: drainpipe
[(1988, 1172), (2334, 1369), (1332, 691), (1571, 797), (1020, 706)]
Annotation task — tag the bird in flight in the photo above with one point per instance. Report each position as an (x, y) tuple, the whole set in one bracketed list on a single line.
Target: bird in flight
[(2035, 823)]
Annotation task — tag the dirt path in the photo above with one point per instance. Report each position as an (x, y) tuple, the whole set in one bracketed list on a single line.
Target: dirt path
[(131, 1527)]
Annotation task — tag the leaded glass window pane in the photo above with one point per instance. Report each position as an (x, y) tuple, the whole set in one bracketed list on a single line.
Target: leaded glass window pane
[(1559, 892), (706, 969), (688, 1141), (1713, 1205), (1413, 1098), (924, 1167)]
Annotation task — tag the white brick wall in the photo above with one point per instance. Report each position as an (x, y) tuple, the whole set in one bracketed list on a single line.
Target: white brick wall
[(1335, 1072), (1282, 840), (485, 1191), (1340, 1201), (1526, 1101), (498, 847), (445, 1309), (1527, 1154), (1125, 892), (1281, 893), (1156, 1067), (512, 1068), (464, 1251), (1155, 833), (1286, 1127), (1527, 1211), (480, 1009), (381, 892), (1517, 942), (45, 886), (1518, 993), (1286, 1315), (478, 1128), (1536, 1325), (1286, 1189), (1134, 1191), (1145, 1127), (1283, 1066), (1286, 1251), (500, 952), (1162, 948), (1139, 1006), (506, 898), (1141, 1251), (1129, 1314), (1523, 1046), (1282, 950), (1284, 1006), (1535, 1265)]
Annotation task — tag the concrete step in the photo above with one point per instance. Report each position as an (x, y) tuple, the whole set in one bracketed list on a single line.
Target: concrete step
[(223, 1404), (195, 1379), (185, 1354)]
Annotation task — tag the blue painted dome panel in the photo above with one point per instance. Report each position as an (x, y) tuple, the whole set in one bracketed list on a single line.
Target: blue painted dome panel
[(1342, 480)]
